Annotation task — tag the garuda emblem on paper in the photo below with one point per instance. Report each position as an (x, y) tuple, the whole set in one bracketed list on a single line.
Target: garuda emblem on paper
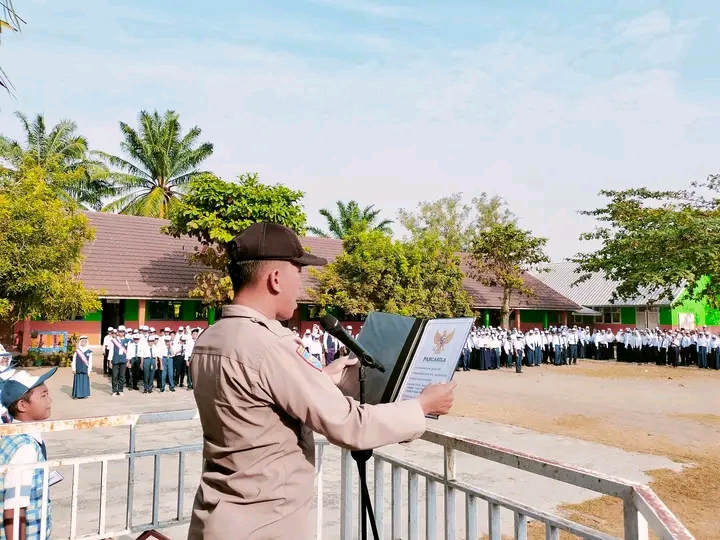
[(441, 340)]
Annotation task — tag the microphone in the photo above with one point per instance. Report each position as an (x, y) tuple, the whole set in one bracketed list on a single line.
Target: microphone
[(333, 327)]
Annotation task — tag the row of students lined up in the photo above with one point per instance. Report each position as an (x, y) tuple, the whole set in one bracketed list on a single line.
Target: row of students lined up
[(675, 347), (491, 348), (143, 356)]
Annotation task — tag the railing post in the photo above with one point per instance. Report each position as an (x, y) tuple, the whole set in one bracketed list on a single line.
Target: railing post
[(346, 495), (636, 527), (471, 518), (551, 532), (494, 522), (156, 491), (379, 494), (413, 506), (430, 509), (181, 485), (45, 500), (103, 496), (396, 506), (131, 478), (520, 526), (450, 515), (74, 500)]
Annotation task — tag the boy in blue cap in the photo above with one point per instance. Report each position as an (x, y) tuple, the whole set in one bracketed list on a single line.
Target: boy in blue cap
[(26, 399)]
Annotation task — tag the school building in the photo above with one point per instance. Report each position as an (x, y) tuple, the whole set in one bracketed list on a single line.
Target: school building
[(647, 310), (144, 276)]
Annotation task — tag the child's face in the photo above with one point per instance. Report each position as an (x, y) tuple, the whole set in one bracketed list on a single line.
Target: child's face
[(35, 407)]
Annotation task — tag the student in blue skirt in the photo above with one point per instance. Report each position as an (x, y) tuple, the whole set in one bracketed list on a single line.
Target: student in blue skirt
[(81, 367)]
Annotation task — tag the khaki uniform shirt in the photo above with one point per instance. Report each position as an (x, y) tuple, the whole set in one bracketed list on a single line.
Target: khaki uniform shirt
[(260, 396)]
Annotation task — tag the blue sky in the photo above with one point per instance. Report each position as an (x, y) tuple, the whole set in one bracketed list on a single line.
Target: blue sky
[(395, 102)]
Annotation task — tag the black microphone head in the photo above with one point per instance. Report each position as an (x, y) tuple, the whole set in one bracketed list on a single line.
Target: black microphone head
[(330, 324)]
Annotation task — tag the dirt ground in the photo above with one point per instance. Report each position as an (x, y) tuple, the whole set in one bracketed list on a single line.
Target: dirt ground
[(673, 412)]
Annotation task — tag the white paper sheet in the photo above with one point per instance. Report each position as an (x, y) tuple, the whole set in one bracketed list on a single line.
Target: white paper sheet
[(437, 355), (54, 478)]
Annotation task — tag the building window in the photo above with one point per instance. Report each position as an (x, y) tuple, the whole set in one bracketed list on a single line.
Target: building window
[(586, 319), (611, 315), (164, 310), (313, 312), (201, 311)]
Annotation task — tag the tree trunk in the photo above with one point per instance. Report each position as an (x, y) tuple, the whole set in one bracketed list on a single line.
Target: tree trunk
[(505, 310)]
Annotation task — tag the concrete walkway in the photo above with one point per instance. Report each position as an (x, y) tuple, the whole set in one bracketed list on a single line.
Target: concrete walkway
[(511, 483)]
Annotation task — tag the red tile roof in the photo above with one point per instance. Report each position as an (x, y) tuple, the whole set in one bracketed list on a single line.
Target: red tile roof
[(491, 297), (131, 258)]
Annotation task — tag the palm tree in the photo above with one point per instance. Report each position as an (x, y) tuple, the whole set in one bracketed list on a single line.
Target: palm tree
[(63, 154), (350, 216), (160, 164), (9, 20)]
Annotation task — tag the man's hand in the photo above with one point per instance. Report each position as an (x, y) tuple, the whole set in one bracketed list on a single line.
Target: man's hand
[(437, 399), (336, 369)]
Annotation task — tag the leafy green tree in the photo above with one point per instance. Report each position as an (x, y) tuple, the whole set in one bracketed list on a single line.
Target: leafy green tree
[(214, 212), (41, 240), (65, 157), (658, 241), (9, 20), (349, 217), (501, 255), (456, 222), (421, 278), (160, 164)]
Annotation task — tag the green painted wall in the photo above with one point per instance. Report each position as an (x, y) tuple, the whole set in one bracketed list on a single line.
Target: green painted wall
[(704, 314), (628, 315), (132, 307), (532, 316), (665, 315), (95, 316)]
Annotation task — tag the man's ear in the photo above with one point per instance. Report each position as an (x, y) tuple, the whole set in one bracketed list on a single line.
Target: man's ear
[(273, 280)]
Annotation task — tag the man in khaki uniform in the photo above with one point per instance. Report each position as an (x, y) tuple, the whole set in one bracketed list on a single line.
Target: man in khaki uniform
[(260, 396)]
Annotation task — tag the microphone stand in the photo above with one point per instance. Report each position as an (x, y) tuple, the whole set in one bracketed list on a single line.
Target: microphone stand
[(361, 458)]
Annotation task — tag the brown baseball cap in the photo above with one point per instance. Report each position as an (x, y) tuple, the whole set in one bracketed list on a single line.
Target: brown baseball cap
[(270, 242)]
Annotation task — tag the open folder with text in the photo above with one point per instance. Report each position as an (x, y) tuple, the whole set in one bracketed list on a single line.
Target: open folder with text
[(415, 353)]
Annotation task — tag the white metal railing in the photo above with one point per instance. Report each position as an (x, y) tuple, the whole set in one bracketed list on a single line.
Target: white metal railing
[(643, 510)]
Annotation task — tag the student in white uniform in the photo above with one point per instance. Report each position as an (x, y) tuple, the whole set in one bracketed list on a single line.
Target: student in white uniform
[(315, 348), (107, 341), (307, 339), (150, 362)]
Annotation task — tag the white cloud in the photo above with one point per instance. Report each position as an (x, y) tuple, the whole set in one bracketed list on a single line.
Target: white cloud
[(375, 9), (650, 24)]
